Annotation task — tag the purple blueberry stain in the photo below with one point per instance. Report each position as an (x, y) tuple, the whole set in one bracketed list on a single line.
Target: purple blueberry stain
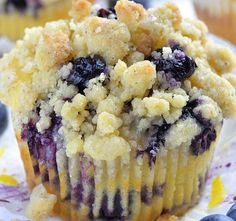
[(84, 69), (105, 213), (146, 196), (77, 193), (177, 64), (156, 138), (201, 142), (14, 193), (158, 190), (169, 80), (30, 134)]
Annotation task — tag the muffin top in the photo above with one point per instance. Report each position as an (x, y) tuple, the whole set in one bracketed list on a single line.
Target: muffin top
[(114, 80)]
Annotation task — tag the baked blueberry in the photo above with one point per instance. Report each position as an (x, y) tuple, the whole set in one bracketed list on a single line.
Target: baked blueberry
[(178, 64), (156, 138), (107, 13), (232, 212), (20, 5), (84, 69), (216, 217), (3, 118)]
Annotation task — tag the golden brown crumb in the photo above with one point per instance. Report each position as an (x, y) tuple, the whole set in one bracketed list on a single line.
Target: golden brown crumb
[(80, 9), (102, 34), (220, 58), (130, 13), (53, 48), (137, 79), (143, 42)]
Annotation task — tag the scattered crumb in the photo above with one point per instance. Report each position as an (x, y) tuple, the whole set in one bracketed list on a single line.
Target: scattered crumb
[(41, 204)]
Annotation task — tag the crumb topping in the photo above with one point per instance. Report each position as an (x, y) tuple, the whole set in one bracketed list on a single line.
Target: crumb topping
[(41, 204), (117, 77)]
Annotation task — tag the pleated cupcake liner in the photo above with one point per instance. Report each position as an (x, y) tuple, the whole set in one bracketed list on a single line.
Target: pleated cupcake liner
[(223, 12), (12, 25), (128, 188)]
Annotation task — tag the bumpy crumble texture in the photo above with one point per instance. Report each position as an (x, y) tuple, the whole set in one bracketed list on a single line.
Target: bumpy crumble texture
[(41, 204), (98, 118)]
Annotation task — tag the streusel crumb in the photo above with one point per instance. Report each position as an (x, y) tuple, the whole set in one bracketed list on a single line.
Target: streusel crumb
[(41, 204)]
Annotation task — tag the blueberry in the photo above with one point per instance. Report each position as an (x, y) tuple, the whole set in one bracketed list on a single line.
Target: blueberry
[(156, 138), (3, 118), (232, 212), (43, 145), (202, 141), (188, 109), (178, 64), (216, 217), (20, 5), (84, 69), (107, 13)]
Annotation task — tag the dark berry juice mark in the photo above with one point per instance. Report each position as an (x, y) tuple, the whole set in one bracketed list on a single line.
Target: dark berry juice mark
[(105, 213), (156, 138), (3, 118), (84, 69), (42, 146), (202, 141)]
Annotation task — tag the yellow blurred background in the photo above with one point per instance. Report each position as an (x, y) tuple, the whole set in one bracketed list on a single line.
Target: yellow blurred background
[(16, 15)]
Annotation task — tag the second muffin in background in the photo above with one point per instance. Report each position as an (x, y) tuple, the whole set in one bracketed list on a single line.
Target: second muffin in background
[(16, 15)]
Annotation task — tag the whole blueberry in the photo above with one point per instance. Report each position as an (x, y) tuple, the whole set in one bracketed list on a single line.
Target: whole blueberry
[(177, 64), (3, 118), (232, 212), (84, 69), (107, 13), (20, 5), (216, 217)]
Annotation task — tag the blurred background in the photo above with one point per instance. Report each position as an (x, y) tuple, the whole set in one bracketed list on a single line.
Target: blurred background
[(15, 15)]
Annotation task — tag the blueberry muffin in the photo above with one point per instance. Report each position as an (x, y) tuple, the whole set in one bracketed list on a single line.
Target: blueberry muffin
[(16, 15), (118, 111), (221, 12)]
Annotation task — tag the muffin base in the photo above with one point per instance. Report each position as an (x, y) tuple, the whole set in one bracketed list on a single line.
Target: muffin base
[(58, 10), (128, 188)]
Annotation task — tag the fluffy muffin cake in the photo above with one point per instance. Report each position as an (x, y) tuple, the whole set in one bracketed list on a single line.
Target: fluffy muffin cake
[(118, 111), (16, 15)]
